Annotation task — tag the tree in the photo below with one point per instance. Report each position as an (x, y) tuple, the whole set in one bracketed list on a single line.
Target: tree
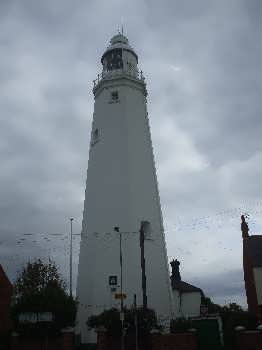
[(212, 307), (39, 288), (232, 307)]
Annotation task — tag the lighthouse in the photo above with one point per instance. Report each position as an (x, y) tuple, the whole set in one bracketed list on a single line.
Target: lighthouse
[(121, 199)]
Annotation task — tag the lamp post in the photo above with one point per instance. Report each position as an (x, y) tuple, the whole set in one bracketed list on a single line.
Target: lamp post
[(71, 254), (144, 225), (121, 289), (136, 322)]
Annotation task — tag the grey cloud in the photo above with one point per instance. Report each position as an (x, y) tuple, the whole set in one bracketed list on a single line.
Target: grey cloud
[(224, 285)]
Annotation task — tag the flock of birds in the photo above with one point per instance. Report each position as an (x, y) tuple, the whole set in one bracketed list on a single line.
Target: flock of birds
[(56, 246)]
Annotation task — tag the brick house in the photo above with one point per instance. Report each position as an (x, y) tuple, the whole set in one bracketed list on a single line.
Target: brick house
[(5, 302), (252, 265)]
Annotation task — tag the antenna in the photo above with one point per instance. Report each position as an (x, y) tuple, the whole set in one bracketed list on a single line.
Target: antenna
[(122, 26)]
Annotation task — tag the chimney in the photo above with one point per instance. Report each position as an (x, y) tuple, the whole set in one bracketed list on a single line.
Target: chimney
[(244, 227), (175, 275)]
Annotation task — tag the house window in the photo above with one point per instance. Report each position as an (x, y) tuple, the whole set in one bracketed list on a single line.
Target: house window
[(114, 95)]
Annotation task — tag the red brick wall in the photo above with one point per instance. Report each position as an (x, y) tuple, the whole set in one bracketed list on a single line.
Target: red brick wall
[(5, 301), (249, 340), (259, 316), (21, 343), (249, 280), (65, 341), (183, 341)]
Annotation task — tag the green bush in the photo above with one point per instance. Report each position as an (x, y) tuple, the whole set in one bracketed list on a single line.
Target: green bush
[(180, 325), (110, 319)]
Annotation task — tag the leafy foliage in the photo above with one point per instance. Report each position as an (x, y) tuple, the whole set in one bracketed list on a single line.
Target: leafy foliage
[(212, 307), (180, 325), (232, 307), (110, 319), (146, 320), (39, 288)]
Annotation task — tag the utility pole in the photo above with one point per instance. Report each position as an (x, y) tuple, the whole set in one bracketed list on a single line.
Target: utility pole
[(143, 264), (71, 254), (136, 322), (122, 316)]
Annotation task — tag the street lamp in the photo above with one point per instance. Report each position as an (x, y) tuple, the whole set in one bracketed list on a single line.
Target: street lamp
[(121, 289), (71, 254)]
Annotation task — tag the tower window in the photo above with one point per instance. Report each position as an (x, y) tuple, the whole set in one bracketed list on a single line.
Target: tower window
[(95, 136), (114, 95)]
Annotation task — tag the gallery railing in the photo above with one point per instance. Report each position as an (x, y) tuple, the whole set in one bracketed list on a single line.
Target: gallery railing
[(135, 74)]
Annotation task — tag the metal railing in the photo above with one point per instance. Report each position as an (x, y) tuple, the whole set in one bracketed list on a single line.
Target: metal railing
[(135, 74)]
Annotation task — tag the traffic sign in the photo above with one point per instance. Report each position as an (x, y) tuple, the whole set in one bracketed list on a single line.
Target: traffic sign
[(120, 296)]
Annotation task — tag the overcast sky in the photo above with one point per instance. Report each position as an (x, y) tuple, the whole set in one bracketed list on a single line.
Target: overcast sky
[(203, 66)]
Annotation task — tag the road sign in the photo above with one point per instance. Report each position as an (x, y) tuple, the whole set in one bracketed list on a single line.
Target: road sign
[(120, 296), (112, 280)]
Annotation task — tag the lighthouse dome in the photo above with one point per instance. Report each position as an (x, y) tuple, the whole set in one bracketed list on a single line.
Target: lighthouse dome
[(119, 42), (119, 38), (119, 57)]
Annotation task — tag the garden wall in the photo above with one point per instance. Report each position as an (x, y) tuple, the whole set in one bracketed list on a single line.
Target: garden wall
[(249, 340), (182, 341), (64, 341)]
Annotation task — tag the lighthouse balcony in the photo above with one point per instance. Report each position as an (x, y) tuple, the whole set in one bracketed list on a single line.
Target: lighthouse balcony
[(119, 73)]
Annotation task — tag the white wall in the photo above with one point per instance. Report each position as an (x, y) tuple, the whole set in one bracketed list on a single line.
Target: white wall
[(258, 282), (191, 304), (186, 304), (177, 303)]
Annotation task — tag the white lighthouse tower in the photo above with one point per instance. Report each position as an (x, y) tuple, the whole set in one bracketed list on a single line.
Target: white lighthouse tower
[(121, 191)]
